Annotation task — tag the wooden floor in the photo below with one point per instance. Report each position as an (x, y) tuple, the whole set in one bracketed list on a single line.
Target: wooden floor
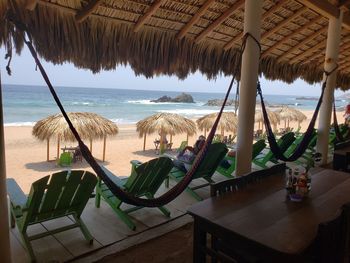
[(110, 233)]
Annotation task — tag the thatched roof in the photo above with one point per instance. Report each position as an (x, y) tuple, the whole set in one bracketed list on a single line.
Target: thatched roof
[(228, 122), (288, 113), (89, 126), (178, 37), (166, 123), (274, 116)]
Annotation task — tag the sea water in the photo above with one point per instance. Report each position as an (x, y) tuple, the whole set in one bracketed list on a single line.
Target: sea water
[(25, 105)]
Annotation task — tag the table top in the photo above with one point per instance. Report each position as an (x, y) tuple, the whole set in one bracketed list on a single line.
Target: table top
[(262, 213)]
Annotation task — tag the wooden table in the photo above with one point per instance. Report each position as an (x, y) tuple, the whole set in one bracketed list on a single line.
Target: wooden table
[(262, 219)]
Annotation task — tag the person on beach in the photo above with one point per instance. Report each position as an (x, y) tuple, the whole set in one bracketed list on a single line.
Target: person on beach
[(186, 157)]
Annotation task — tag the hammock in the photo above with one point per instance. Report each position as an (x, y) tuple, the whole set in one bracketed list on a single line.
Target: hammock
[(167, 197), (301, 148)]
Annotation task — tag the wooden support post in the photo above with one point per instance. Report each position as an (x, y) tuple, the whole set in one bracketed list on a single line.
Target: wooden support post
[(171, 138), (187, 138), (48, 150), (104, 148), (31, 4), (247, 91), (4, 218), (332, 52), (82, 14), (144, 142)]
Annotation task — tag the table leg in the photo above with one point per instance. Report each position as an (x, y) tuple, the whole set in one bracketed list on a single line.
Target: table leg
[(199, 243)]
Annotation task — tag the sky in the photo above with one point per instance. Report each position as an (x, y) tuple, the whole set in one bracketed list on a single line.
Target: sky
[(24, 73)]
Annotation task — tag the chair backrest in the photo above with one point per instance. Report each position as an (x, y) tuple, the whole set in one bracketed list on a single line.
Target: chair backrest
[(234, 184), (61, 194), (332, 240), (258, 147), (182, 146), (148, 177), (216, 153), (65, 159), (284, 142)]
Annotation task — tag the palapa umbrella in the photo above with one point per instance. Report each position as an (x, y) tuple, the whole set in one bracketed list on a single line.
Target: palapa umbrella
[(228, 122), (274, 117), (89, 126), (163, 124), (289, 114)]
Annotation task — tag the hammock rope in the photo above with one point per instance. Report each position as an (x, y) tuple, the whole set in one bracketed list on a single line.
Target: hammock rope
[(301, 148), (117, 191)]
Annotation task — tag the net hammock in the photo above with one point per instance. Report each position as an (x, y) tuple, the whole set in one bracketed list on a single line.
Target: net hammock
[(14, 17)]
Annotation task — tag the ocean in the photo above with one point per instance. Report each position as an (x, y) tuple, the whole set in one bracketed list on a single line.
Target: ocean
[(25, 105)]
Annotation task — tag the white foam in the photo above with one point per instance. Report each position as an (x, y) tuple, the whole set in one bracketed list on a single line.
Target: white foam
[(191, 112), (19, 124), (123, 121), (149, 102)]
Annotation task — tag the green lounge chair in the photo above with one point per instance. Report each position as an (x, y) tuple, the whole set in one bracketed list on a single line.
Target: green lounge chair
[(62, 194), (145, 180), (65, 159), (212, 159), (284, 142), (182, 146), (257, 148)]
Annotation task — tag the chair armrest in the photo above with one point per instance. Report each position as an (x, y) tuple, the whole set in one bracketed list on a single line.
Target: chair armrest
[(172, 157), (17, 197), (114, 178), (135, 163)]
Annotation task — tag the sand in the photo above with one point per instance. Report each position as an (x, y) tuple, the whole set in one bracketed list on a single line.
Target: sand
[(26, 156)]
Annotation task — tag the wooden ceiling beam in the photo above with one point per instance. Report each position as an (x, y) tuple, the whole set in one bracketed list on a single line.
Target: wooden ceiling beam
[(195, 18), (83, 13), (306, 54), (238, 4), (143, 19), (303, 42), (326, 9), (30, 4), (290, 36), (283, 23), (269, 12)]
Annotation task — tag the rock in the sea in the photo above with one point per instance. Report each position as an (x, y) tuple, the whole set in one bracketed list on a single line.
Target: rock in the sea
[(219, 102), (163, 99), (183, 97)]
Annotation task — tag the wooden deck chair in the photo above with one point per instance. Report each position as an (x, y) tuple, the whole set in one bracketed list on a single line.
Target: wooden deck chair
[(62, 194), (284, 142), (145, 180), (212, 159), (257, 149)]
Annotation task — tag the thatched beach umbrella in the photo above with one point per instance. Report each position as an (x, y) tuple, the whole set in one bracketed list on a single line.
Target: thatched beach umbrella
[(90, 126), (290, 114), (274, 118), (228, 122), (163, 124)]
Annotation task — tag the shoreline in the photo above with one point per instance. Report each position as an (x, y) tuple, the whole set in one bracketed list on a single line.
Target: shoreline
[(26, 156)]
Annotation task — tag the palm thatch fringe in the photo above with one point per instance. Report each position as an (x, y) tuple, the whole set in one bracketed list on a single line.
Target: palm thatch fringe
[(99, 44)]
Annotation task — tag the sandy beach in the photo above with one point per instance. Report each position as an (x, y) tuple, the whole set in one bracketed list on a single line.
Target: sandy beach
[(26, 156)]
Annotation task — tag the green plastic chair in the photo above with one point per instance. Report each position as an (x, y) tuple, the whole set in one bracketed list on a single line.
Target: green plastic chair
[(284, 142), (257, 149), (216, 152), (182, 146), (65, 159), (144, 181), (62, 194), (308, 153)]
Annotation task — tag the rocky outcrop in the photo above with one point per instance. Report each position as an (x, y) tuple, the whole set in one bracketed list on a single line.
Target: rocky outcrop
[(183, 98)]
